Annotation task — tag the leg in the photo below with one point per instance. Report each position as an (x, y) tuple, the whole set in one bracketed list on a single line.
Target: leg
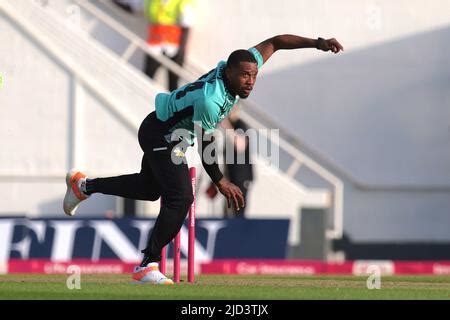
[(173, 81), (173, 78), (151, 65), (244, 188), (176, 193), (138, 186)]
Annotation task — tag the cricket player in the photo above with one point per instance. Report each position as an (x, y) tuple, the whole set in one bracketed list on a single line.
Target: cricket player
[(193, 110)]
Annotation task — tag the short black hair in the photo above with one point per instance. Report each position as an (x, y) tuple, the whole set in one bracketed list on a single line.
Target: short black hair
[(239, 56)]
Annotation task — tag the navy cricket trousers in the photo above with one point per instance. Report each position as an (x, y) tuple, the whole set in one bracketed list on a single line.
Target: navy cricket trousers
[(159, 177)]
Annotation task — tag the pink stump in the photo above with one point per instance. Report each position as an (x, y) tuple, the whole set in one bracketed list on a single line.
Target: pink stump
[(191, 222), (176, 258)]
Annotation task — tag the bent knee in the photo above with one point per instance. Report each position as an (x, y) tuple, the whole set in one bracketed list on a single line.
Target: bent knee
[(186, 199), (182, 200)]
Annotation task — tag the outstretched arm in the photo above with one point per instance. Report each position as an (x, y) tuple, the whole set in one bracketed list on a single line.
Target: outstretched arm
[(288, 41)]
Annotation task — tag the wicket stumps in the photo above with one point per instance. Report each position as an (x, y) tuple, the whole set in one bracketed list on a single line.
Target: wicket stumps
[(177, 242)]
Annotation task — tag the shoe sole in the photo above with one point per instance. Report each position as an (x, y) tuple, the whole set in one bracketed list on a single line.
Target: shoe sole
[(69, 193), (138, 277), (138, 282)]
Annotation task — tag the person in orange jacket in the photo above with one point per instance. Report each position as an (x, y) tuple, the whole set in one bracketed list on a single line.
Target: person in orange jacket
[(168, 31)]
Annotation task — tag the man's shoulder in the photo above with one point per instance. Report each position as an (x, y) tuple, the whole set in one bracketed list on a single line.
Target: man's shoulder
[(214, 90), (221, 64), (213, 94), (214, 74)]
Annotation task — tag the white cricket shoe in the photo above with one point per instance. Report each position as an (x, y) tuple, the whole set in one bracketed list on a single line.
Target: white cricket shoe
[(150, 274), (74, 194)]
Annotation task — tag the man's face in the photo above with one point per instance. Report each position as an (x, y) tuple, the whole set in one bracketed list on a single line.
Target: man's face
[(242, 78)]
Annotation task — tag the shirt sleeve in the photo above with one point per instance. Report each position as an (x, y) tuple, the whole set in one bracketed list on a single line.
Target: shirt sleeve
[(211, 164), (206, 115), (257, 56)]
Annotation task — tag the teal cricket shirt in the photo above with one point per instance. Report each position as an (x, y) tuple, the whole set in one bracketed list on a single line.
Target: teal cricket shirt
[(208, 97)]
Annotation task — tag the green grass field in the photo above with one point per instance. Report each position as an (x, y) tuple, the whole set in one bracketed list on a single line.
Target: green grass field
[(226, 288)]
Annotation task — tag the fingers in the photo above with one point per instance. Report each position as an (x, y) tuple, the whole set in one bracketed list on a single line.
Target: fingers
[(238, 198), (335, 49), (234, 196), (236, 203), (335, 46), (338, 45), (241, 200)]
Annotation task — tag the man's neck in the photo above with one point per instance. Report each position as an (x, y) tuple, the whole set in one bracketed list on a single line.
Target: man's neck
[(226, 82)]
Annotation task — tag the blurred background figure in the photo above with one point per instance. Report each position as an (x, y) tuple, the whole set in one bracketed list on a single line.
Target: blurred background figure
[(238, 167), (240, 170), (168, 31)]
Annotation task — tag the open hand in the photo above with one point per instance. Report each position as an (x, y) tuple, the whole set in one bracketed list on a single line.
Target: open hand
[(232, 193)]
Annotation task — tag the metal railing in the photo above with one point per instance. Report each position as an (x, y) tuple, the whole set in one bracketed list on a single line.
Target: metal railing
[(135, 41)]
